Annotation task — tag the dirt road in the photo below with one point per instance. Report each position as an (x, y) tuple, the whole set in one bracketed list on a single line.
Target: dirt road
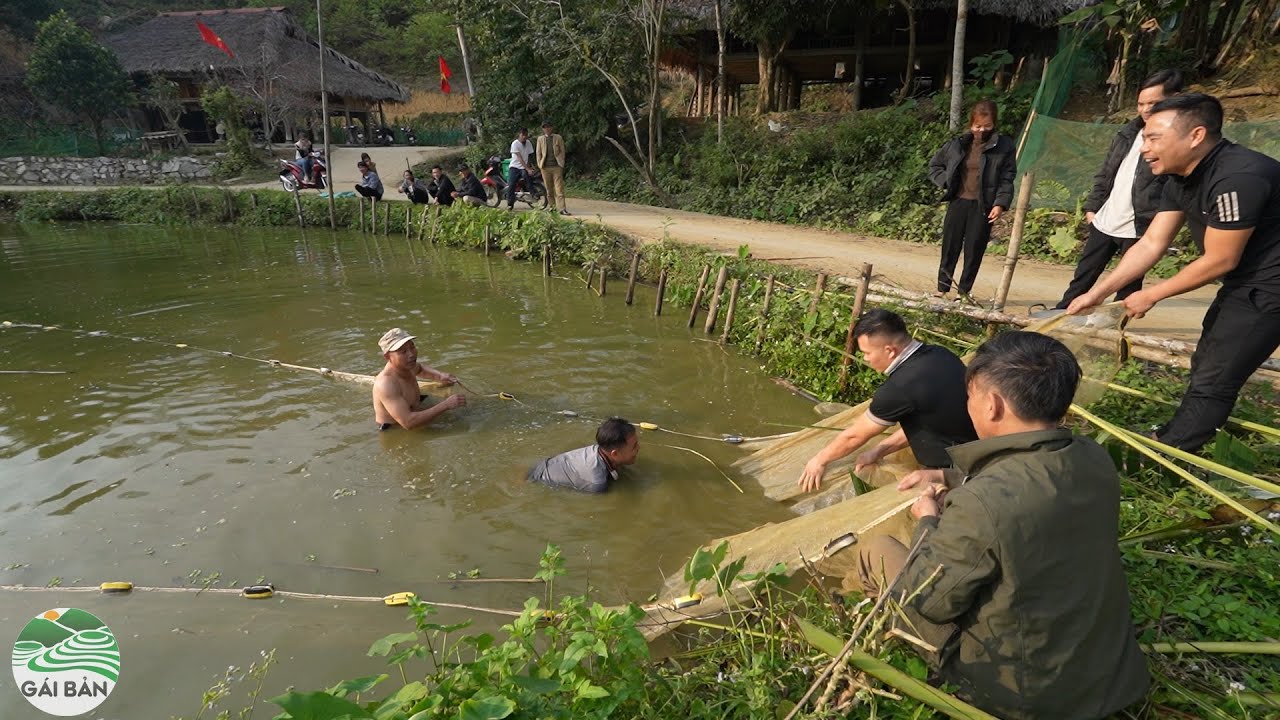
[(907, 265)]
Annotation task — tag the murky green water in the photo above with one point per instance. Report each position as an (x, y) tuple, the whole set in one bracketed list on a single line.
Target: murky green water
[(149, 462)]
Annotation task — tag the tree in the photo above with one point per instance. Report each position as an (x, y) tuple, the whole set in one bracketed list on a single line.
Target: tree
[(72, 72), (771, 25), (163, 94)]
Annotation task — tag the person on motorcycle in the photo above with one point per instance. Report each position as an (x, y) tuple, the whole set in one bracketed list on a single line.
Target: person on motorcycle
[(441, 187), (370, 185), (470, 190), (521, 165), (302, 149), (414, 190)]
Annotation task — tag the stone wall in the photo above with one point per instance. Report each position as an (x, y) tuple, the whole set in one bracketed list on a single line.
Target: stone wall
[(100, 171)]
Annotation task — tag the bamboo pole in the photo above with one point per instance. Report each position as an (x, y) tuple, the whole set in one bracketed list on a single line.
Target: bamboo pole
[(546, 260), (408, 221), (422, 222), (435, 225), (764, 313), (297, 203), (697, 296), (631, 278), (485, 239), (361, 214), (710, 326), (591, 273), (819, 287), (733, 307), (253, 200), (386, 219), (604, 279), (1015, 239), (859, 300), (662, 290)]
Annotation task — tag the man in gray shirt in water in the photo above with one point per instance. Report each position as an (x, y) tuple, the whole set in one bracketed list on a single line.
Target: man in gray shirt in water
[(590, 468)]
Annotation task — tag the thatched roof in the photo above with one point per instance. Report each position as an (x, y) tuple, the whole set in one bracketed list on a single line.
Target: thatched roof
[(260, 38)]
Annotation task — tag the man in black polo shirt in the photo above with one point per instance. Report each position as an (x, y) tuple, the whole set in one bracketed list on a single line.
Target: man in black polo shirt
[(925, 395), (1229, 197)]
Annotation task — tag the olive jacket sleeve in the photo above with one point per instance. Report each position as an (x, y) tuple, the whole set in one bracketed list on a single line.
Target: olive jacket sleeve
[(961, 547)]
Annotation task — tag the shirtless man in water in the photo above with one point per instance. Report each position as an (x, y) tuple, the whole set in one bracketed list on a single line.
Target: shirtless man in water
[(396, 398)]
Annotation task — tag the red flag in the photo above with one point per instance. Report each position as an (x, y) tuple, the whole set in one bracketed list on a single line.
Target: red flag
[(445, 74), (212, 38)]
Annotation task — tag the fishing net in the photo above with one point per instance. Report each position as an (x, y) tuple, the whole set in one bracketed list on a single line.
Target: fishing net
[(1096, 340)]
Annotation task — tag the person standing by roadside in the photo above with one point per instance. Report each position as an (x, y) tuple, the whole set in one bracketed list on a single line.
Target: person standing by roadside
[(1229, 198), (550, 158), (521, 162), (975, 172), (1125, 195)]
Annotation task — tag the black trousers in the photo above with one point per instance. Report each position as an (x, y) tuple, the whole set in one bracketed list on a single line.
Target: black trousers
[(1241, 330), (366, 192), (1098, 251), (965, 227)]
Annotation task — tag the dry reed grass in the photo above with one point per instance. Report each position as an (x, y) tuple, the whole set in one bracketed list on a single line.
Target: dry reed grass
[(430, 101)]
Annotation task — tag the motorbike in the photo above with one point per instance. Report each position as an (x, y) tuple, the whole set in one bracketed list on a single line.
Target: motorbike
[(530, 190), (382, 135), (294, 178), (355, 135), (410, 137)]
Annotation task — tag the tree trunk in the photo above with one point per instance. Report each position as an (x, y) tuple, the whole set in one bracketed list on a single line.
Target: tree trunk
[(722, 96), (1122, 71), (655, 89), (1222, 22), (957, 65), (96, 123), (859, 64), (911, 50), (764, 89)]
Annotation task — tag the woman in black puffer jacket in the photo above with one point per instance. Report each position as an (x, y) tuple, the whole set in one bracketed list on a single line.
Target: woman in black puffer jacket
[(975, 172)]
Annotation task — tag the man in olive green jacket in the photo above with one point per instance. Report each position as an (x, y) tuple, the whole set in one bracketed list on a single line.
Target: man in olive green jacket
[(1028, 603)]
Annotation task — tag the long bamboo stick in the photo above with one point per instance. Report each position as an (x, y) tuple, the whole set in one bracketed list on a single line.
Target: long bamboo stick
[(631, 277), (1126, 437), (697, 296), (662, 291), (1015, 239), (764, 313), (733, 307), (714, 309), (859, 301)]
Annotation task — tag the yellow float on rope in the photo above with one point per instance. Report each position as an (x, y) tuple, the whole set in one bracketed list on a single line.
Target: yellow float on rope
[(258, 592), (400, 598), (647, 426), (506, 396), (686, 601), (119, 586)]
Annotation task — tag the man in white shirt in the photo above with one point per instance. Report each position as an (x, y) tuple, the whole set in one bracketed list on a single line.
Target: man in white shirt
[(521, 163), (1125, 195)]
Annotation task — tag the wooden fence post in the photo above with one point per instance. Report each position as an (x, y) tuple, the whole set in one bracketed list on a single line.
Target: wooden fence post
[(546, 260), (408, 221), (859, 299), (818, 289), (297, 202), (435, 225), (591, 273), (662, 290), (697, 297), (487, 231), (733, 306), (631, 279), (723, 277), (764, 313), (386, 218), (1015, 239), (604, 279), (361, 214)]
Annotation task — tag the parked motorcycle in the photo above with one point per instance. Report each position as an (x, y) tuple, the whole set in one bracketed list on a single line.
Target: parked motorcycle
[(530, 190), (293, 177), (355, 135), (410, 137), (382, 135)]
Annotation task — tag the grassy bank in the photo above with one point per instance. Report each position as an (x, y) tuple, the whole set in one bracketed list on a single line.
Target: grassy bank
[(1196, 572)]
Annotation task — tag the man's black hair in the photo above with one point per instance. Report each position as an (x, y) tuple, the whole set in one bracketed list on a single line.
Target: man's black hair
[(524, 130), (1169, 79), (1194, 110), (437, 167), (614, 433), (547, 124), (881, 323), (463, 166), (1035, 373), (362, 164)]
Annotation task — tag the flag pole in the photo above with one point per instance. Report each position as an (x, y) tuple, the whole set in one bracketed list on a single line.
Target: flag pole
[(324, 119), (466, 64)]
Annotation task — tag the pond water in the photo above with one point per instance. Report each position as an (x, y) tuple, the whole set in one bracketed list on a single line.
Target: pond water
[(156, 464)]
